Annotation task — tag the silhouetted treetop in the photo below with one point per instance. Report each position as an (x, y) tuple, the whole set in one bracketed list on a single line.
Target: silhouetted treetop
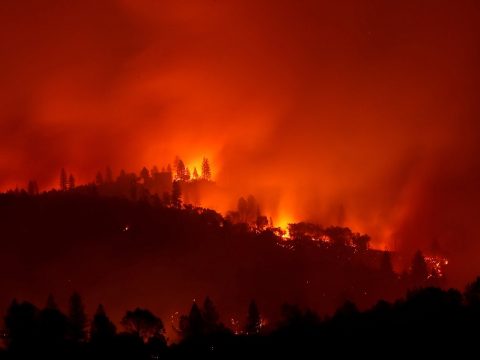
[(77, 318), (254, 321), (206, 171), (102, 329), (143, 323)]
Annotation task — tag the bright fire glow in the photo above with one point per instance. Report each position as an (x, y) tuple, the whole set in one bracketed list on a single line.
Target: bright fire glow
[(436, 265)]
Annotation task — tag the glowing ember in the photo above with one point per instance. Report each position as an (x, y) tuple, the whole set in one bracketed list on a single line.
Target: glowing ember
[(436, 265)]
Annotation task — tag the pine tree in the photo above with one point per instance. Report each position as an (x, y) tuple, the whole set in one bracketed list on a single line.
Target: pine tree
[(386, 267), (99, 179), (210, 315), (254, 321), (195, 174), (63, 180), (108, 175), (145, 174), (206, 171), (193, 325), (187, 174), (180, 170), (102, 328), (77, 318), (143, 323), (71, 182), (32, 188), (51, 304), (419, 268), (176, 199)]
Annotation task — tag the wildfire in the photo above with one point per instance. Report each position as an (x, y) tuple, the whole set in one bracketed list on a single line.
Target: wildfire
[(436, 265), (282, 225)]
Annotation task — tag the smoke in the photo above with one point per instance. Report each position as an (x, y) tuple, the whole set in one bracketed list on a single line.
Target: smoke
[(361, 113)]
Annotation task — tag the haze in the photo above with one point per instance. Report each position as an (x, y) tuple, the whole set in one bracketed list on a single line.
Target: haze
[(358, 113)]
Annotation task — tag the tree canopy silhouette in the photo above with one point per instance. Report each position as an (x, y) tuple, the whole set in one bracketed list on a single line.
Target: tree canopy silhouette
[(143, 323)]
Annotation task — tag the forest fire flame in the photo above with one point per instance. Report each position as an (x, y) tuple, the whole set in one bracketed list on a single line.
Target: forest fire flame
[(436, 265)]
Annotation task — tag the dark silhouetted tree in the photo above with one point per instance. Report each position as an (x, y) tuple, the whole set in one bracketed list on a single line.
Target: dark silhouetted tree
[(262, 222), (361, 241), (32, 188), (176, 198), (252, 209), (254, 321), (180, 170), (210, 316), (193, 325), (51, 304), (21, 326), (242, 209), (108, 175), (99, 179), (340, 236), (77, 318), (419, 269), (206, 171), (63, 180), (143, 323), (71, 182), (154, 172), (386, 267), (53, 325), (102, 329), (348, 309), (187, 174), (145, 175), (195, 174), (472, 293)]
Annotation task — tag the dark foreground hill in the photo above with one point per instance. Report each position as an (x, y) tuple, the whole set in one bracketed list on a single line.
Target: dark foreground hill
[(124, 254)]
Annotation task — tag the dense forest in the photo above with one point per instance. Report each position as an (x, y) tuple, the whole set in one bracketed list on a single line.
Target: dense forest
[(120, 243), (428, 320)]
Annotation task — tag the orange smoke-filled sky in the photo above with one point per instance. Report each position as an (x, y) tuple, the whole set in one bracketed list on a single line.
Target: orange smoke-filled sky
[(362, 113)]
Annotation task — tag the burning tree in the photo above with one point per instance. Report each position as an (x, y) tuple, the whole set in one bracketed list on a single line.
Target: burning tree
[(206, 171)]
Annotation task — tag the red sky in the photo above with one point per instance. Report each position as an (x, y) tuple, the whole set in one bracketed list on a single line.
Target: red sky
[(356, 112)]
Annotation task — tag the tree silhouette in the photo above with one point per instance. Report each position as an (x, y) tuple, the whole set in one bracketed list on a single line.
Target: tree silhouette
[(195, 174), (77, 318), (102, 329), (361, 241), (386, 267), (145, 175), (63, 180), (242, 209), (51, 304), (187, 174), (419, 269), (206, 171), (99, 179), (252, 209), (53, 325), (472, 293), (20, 325), (176, 198), (143, 323), (254, 321), (180, 170), (32, 188), (71, 182), (108, 175), (210, 316), (193, 325)]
